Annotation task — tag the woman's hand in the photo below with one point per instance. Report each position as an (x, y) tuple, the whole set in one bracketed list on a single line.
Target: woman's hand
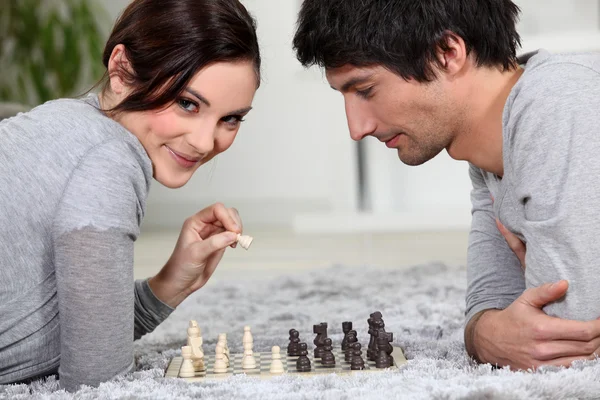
[(201, 245)]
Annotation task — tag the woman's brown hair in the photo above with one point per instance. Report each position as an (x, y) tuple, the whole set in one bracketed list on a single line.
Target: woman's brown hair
[(168, 41)]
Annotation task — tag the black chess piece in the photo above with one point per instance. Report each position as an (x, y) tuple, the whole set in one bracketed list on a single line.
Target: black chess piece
[(357, 362), (327, 358), (346, 327), (352, 338), (321, 331), (303, 362), (383, 360), (292, 348), (372, 349)]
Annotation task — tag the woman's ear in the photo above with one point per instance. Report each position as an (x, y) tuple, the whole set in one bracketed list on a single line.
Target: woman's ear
[(119, 69)]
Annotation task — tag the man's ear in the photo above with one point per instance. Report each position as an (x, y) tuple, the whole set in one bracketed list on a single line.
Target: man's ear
[(119, 69), (451, 54)]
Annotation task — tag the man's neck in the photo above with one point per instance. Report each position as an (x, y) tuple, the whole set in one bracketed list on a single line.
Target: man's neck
[(480, 140)]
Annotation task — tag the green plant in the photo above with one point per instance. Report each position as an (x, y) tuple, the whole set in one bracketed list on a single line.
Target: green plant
[(49, 48)]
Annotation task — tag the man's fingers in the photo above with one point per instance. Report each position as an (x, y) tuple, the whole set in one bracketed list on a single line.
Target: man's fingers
[(566, 361), (516, 245), (565, 348), (564, 329), (540, 296)]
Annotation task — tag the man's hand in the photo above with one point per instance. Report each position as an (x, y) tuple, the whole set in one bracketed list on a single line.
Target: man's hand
[(514, 242), (201, 245), (522, 336)]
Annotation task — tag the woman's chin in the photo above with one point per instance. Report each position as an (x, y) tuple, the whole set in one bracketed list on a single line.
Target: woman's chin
[(172, 181)]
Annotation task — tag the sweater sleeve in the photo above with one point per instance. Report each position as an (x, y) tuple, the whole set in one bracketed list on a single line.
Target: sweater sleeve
[(494, 275), (94, 230), (554, 158)]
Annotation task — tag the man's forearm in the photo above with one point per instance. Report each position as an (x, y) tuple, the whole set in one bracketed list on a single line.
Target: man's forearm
[(470, 339)]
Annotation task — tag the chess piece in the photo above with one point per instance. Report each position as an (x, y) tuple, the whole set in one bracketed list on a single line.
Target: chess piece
[(221, 349), (220, 366), (321, 331), (303, 362), (383, 360), (222, 338), (194, 341), (357, 362), (327, 358), (276, 364), (247, 337), (372, 350), (248, 362), (351, 339), (244, 240), (346, 327), (187, 367), (293, 349)]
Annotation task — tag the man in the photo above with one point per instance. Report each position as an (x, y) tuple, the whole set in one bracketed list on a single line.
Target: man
[(443, 74)]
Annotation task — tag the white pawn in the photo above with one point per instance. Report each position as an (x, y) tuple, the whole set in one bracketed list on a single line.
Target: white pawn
[(221, 349), (220, 363), (187, 368), (247, 338), (244, 240), (276, 364), (223, 340), (248, 362)]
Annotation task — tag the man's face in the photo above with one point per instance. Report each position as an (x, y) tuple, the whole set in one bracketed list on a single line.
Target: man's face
[(419, 120)]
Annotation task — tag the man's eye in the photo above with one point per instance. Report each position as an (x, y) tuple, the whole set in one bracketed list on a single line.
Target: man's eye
[(187, 105), (364, 93)]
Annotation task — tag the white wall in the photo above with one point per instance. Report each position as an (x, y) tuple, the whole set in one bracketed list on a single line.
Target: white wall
[(294, 163)]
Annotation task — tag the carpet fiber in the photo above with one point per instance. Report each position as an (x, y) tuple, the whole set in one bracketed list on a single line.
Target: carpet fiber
[(423, 306)]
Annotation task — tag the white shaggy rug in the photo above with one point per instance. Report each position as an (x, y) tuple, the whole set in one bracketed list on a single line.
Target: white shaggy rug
[(423, 306)]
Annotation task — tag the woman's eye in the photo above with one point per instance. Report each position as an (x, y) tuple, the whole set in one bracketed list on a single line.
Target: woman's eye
[(188, 105), (233, 119)]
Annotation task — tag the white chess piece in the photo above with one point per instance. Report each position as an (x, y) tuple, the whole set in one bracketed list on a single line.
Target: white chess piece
[(187, 368), (221, 349), (223, 339), (195, 342), (220, 363), (244, 240), (276, 364), (247, 338), (248, 362)]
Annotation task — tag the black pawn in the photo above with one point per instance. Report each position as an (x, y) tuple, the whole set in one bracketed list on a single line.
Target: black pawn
[(346, 327), (303, 362), (292, 348), (357, 362), (327, 358), (351, 339), (383, 360)]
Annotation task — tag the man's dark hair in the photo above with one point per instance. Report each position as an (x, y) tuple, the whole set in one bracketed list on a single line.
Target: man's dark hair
[(403, 35)]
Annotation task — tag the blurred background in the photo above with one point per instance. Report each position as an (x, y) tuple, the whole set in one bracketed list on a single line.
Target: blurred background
[(293, 167)]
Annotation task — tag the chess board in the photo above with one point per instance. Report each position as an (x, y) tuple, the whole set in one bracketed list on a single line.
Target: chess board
[(263, 363)]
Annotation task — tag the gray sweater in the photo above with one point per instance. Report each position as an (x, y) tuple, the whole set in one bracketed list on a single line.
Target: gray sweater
[(549, 195), (73, 188)]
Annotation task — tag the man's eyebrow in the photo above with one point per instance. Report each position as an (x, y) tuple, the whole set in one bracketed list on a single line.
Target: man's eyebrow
[(198, 95), (353, 82)]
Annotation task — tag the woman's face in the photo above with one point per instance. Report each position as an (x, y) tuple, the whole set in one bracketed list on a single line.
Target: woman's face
[(202, 122)]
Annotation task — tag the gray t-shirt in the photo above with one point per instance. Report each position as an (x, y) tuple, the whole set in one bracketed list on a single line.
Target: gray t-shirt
[(73, 189), (549, 195)]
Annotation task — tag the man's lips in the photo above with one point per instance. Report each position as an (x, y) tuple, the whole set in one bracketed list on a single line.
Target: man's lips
[(392, 141)]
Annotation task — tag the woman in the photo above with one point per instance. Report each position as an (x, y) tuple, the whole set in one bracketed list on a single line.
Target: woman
[(75, 174)]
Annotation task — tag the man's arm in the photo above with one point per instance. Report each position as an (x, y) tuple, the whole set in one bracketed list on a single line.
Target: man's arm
[(494, 274)]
